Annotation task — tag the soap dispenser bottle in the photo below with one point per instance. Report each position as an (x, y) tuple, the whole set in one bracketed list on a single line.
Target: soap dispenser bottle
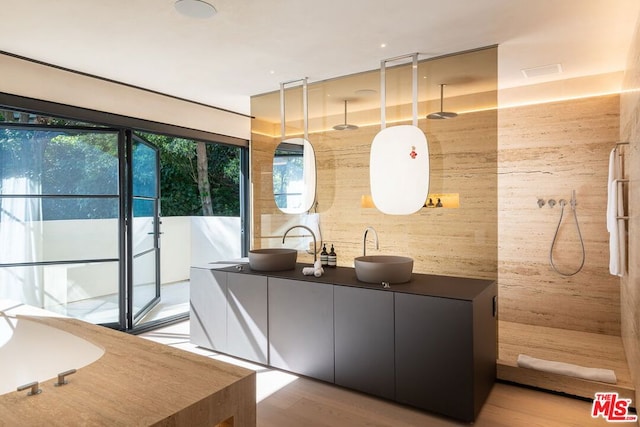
[(332, 258), (324, 256)]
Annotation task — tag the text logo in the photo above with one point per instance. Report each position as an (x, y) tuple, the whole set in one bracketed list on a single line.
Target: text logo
[(610, 407)]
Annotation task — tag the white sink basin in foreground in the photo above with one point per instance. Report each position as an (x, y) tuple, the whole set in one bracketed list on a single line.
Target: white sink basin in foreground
[(273, 259), (383, 268)]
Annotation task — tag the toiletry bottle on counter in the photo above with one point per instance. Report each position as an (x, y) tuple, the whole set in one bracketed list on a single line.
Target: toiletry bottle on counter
[(332, 258), (324, 256)]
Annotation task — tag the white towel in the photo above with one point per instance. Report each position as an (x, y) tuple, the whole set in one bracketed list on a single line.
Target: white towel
[(593, 374), (612, 213), (316, 270), (308, 271)]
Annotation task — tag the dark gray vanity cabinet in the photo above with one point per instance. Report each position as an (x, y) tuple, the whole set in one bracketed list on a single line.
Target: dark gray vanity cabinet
[(208, 308), (364, 340), (301, 327), (430, 343), (247, 317), (445, 349)]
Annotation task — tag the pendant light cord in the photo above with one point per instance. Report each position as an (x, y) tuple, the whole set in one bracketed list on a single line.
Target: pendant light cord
[(555, 237)]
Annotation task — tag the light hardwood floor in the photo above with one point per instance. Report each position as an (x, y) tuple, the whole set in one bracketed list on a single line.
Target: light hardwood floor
[(287, 400), (313, 404)]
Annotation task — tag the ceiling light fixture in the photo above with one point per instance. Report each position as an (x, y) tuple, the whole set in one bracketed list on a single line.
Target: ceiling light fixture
[(442, 114), (345, 125), (195, 9)]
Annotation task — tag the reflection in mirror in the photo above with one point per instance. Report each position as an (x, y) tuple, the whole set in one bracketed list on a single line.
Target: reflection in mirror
[(294, 176)]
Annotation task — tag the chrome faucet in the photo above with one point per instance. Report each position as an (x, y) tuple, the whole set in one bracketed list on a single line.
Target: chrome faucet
[(364, 240), (315, 249)]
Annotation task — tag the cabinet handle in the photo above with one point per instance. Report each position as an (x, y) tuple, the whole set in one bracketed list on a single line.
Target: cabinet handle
[(495, 305)]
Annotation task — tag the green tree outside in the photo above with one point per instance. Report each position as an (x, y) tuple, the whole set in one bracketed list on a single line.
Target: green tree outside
[(73, 162)]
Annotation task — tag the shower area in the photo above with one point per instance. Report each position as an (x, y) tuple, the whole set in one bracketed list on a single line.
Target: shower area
[(558, 299)]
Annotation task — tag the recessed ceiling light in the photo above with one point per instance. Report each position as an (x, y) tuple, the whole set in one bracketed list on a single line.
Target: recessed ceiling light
[(383, 45), (195, 8)]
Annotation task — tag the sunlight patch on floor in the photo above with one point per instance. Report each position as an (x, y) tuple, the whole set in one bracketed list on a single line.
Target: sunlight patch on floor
[(268, 381)]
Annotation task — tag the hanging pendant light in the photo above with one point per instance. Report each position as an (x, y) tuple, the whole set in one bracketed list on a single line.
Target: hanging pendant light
[(345, 125), (442, 114)]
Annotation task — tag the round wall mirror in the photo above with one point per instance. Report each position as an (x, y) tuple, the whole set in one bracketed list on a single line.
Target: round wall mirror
[(294, 176)]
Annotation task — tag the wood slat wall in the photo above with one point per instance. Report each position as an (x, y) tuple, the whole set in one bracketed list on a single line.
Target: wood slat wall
[(545, 151), (630, 131)]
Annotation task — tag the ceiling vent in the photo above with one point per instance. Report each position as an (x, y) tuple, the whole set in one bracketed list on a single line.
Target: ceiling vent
[(545, 70)]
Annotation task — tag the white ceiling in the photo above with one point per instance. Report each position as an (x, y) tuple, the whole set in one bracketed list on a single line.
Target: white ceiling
[(251, 46)]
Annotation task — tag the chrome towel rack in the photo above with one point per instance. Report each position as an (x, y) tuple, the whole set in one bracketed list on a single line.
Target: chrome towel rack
[(621, 181)]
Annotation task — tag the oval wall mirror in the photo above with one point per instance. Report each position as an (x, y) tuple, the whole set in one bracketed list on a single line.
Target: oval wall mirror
[(294, 176), (294, 163)]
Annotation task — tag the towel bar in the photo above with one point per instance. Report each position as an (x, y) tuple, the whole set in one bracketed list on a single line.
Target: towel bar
[(620, 181)]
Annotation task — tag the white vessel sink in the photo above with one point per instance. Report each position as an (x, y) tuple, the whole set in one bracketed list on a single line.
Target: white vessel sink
[(273, 259), (383, 268)]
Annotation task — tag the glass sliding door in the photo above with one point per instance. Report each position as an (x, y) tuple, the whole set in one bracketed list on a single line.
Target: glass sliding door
[(80, 217), (144, 229), (60, 213)]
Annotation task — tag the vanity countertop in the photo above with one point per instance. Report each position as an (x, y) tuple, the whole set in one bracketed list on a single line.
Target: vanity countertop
[(420, 284)]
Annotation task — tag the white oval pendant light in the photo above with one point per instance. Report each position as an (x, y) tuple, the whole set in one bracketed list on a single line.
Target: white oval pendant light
[(399, 160)]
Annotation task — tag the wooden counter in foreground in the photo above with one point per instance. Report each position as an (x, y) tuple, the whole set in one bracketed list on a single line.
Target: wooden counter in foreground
[(136, 383)]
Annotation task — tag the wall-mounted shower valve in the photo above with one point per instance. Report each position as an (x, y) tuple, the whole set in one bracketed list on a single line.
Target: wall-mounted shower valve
[(551, 202), (540, 203)]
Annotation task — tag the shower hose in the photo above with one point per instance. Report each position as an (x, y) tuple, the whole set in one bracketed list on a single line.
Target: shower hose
[(562, 204)]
